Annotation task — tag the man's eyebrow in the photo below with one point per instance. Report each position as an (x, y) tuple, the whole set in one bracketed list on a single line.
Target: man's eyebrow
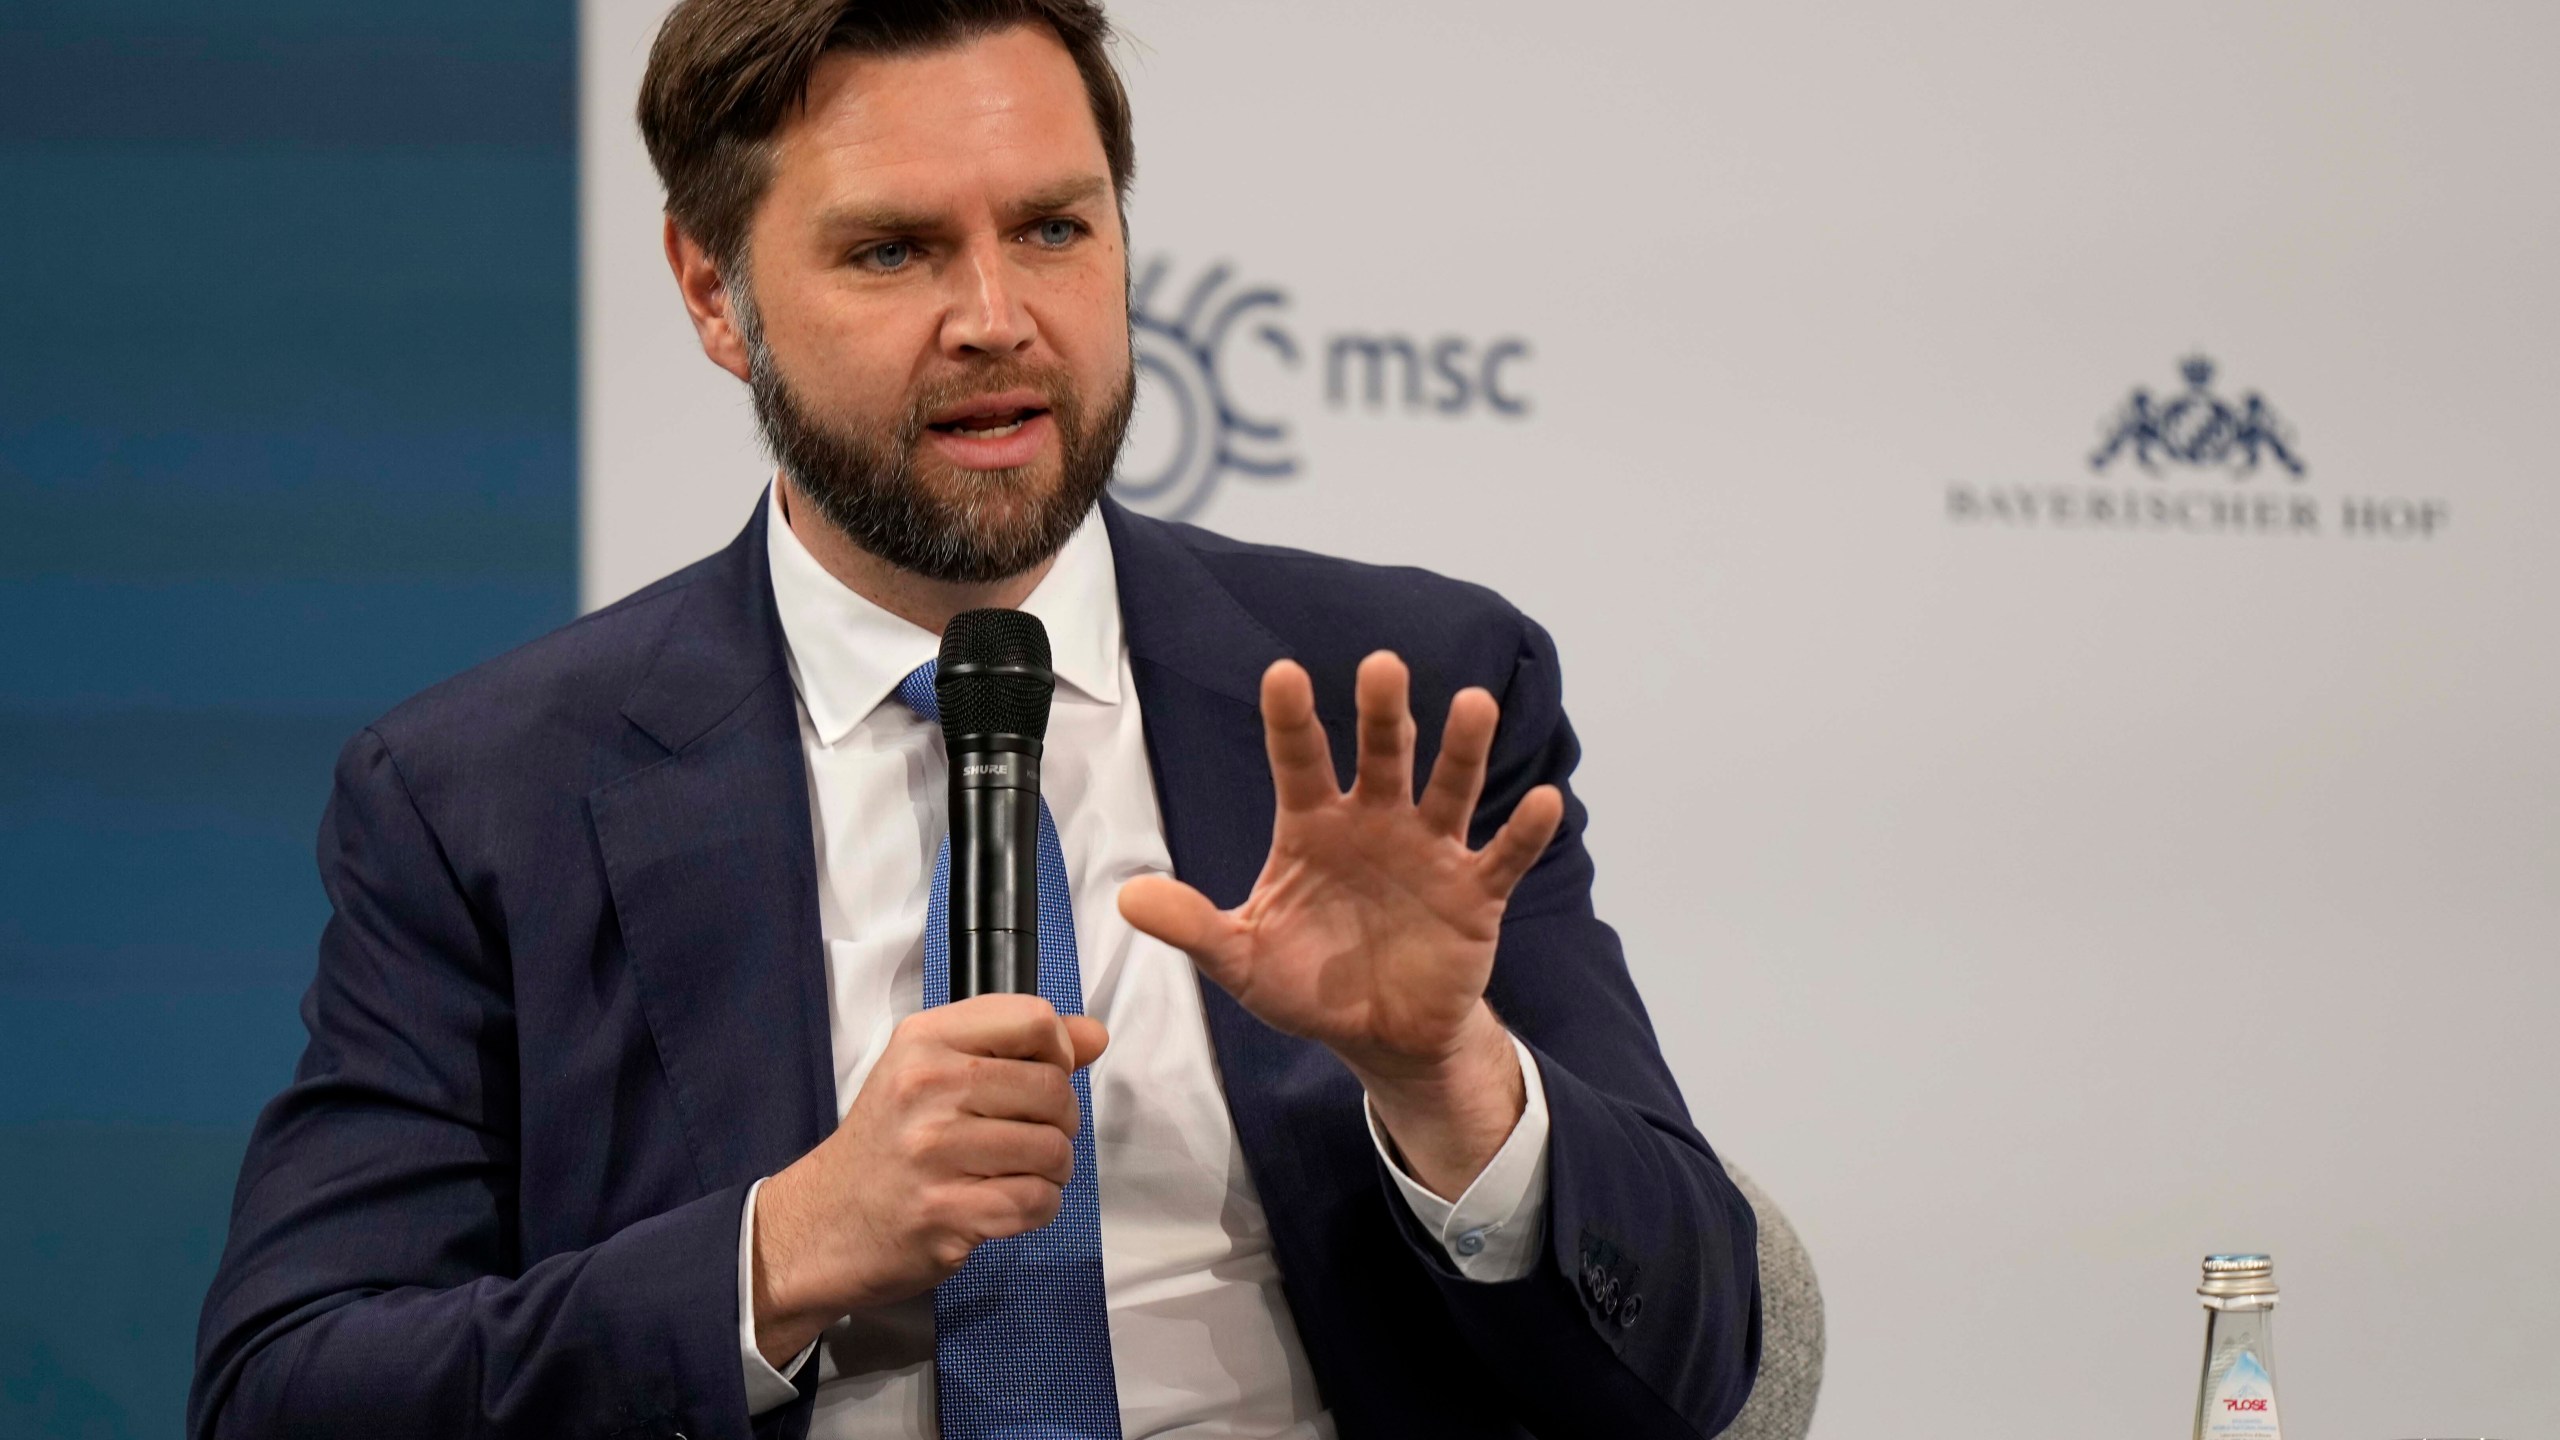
[(858, 217), (876, 219), (1066, 195)]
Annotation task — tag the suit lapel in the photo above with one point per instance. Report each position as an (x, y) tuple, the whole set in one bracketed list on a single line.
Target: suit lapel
[(1198, 657), (711, 863)]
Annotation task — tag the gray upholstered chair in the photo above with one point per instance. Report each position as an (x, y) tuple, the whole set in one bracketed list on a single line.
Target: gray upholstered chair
[(1781, 1405)]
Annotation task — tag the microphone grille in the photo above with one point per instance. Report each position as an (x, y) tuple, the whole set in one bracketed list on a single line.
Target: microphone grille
[(994, 677)]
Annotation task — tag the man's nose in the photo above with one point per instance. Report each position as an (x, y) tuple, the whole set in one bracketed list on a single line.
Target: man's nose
[(986, 315)]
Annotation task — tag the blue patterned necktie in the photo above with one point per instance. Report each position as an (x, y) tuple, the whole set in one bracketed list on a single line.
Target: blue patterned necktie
[(1021, 1335)]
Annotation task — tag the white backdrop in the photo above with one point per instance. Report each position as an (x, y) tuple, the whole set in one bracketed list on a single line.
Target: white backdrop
[(2038, 903)]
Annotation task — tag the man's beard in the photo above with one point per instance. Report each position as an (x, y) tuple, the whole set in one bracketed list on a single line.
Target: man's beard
[(864, 479)]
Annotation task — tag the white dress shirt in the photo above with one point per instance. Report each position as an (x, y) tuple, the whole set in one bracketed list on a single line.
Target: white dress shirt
[(1202, 1341)]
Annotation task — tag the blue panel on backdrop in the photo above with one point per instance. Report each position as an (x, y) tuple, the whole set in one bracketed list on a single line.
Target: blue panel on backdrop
[(287, 431)]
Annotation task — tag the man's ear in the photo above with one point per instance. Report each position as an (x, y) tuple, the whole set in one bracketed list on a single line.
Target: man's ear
[(707, 300)]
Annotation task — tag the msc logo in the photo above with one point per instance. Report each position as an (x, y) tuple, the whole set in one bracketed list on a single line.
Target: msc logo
[(1196, 346), (2196, 428)]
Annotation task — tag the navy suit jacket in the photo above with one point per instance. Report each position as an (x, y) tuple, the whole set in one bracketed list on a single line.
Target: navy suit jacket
[(571, 1004)]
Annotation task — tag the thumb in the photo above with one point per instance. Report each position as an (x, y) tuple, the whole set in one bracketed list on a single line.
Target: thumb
[(1087, 1038), (1185, 919)]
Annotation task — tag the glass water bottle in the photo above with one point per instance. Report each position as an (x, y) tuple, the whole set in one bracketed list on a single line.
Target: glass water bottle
[(2237, 1398)]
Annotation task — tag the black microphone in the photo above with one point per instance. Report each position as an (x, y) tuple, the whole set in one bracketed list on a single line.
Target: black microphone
[(994, 684)]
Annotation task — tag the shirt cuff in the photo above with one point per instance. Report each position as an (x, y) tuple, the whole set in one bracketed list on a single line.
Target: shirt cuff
[(1493, 1231), (767, 1388)]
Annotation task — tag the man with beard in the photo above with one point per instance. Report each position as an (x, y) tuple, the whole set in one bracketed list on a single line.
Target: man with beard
[(625, 1110)]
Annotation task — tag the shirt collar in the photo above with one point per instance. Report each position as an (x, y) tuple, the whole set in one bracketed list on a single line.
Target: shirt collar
[(848, 655)]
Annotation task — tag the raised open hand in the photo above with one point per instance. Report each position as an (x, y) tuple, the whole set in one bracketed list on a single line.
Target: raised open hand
[(1372, 926)]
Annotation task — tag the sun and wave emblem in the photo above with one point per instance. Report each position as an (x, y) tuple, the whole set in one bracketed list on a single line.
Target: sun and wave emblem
[(1191, 431)]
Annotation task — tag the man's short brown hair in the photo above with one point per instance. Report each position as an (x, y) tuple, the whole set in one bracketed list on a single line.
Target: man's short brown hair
[(724, 73)]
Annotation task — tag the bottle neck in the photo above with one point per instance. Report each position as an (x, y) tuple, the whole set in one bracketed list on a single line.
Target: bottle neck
[(2234, 1329)]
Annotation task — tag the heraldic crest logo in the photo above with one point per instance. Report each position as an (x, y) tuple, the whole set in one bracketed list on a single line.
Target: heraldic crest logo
[(2197, 428)]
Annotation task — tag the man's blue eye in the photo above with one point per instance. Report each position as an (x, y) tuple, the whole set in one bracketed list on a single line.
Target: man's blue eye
[(1057, 232), (891, 256)]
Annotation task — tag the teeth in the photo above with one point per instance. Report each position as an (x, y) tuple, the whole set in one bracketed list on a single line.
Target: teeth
[(1005, 429)]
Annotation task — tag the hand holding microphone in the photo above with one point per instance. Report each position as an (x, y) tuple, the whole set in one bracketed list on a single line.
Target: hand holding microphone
[(962, 1133)]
